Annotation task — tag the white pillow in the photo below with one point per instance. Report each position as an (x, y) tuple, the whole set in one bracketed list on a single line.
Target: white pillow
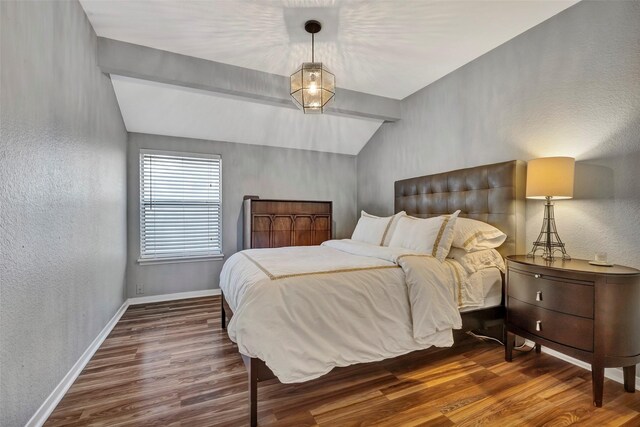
[(432, 236), (371, 229), (472, 235), (392, 227), (478, 260)]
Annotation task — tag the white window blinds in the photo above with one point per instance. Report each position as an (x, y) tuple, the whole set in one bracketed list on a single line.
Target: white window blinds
[(180, 205)]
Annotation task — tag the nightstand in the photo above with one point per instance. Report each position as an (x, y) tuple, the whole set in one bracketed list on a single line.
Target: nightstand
[(587, 312)]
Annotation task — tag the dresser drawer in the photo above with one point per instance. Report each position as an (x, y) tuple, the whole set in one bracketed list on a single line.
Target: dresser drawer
[(546, 292), (562, 328)]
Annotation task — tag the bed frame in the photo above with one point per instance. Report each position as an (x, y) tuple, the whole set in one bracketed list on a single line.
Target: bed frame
[(492, 193)]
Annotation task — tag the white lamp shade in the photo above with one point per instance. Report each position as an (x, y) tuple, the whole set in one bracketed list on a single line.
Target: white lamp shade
[(550, 177)]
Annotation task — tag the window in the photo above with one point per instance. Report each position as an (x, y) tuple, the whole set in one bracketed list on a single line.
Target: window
[(180, 206)]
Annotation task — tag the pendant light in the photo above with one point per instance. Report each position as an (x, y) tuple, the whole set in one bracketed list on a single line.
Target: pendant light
[(312, 85)]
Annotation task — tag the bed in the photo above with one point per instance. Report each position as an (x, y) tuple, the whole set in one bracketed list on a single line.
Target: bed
[(297, 320)]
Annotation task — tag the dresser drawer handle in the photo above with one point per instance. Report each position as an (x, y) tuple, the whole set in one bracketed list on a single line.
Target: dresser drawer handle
[(539, 296), (538, 325), (537, 276)]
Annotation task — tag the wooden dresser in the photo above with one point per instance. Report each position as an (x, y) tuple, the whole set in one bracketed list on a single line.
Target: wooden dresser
[(588, 312), (278, 223)]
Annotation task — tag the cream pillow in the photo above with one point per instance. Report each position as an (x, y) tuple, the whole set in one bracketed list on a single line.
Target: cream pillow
[(472, 235), (392, 227), (432, 236), (478, 260), (371, 229)]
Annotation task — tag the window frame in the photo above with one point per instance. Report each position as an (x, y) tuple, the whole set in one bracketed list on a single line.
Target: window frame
[(175, 258)]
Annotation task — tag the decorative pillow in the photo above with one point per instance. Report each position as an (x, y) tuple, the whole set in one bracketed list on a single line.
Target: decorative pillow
[(392, 227), (472, 235), (431, 236), (371, 229), (478, 260)]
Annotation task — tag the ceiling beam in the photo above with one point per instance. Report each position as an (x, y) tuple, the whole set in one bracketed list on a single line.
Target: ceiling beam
[(141, 62)]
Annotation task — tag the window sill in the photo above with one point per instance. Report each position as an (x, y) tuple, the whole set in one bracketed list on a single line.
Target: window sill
[(150, 261)]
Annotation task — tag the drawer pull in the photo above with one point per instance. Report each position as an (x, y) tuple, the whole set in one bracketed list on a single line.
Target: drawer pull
[(537, 276), (538, 325), (539, 296)]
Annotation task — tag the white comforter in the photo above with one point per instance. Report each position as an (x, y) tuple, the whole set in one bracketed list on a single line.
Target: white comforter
[(306, 310)]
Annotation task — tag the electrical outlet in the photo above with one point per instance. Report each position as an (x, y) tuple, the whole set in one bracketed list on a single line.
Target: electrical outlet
[(140, 289)]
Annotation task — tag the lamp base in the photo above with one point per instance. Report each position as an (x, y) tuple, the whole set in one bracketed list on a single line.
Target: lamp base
[(549, 241)]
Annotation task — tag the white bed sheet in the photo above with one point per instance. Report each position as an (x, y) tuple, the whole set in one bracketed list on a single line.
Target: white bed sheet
[(490, 281)]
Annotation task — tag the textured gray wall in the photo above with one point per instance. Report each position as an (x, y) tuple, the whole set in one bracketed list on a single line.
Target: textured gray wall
[(569, 86), (62, 200), (268, 172)]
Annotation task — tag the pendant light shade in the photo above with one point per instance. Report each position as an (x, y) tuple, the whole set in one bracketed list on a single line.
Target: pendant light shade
[(312, 85)]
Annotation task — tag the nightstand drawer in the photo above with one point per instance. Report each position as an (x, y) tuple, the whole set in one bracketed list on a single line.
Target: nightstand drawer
[(544, 291), (562, 328)]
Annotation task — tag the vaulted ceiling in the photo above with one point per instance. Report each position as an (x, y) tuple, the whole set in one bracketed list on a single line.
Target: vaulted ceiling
[(163, 109), (388, 48)]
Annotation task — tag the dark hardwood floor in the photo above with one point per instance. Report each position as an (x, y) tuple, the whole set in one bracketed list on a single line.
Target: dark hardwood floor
[(170, 364)]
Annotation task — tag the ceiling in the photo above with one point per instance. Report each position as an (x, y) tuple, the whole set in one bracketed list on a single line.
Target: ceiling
[(163, 109), (389, 48)]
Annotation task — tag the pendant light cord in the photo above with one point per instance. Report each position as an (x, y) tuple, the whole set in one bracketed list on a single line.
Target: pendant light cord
[(312, 47)]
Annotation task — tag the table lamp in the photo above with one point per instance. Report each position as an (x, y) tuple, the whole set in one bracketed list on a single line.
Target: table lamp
[(550, 178)]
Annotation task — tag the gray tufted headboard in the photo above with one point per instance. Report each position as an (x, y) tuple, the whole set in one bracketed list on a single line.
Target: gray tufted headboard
[(493, 193)]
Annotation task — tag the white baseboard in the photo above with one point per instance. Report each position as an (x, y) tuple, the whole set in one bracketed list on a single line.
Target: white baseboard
[(172, 297), (50, 403), (614, 374)]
